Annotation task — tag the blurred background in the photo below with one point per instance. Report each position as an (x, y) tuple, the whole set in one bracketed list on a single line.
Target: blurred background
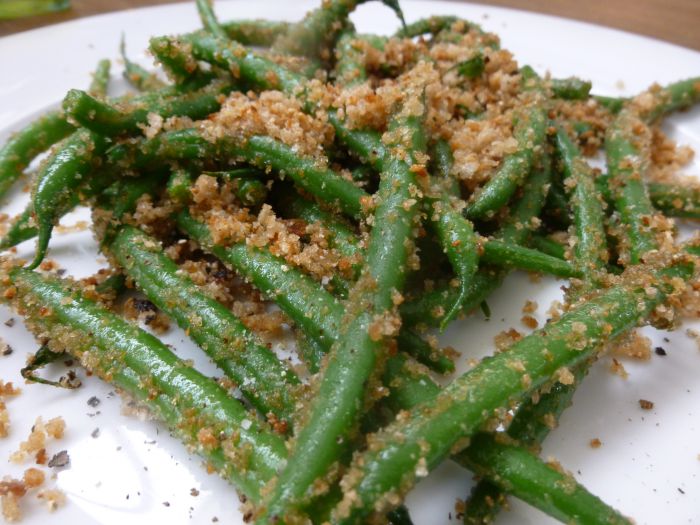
[(676, 21)]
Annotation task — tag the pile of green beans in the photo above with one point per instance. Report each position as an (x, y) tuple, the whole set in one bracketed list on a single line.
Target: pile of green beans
[(343, 437)]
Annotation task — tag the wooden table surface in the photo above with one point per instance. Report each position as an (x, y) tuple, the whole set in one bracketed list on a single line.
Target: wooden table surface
[(676, 21)]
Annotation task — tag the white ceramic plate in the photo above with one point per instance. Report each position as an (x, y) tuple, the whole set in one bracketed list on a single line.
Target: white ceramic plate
[(134, 472)]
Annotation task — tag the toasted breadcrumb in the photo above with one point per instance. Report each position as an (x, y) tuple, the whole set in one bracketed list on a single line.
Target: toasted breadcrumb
[(595, 443), (645, 404), (529, 321), (10, 507), (272, 114), (33, 478), (667, 158), (633, 345), (618, 369), (53, 498), (530, 307), (13, 490), (56, 427), (565, 377), (504, 339), (6, 390), (36, 441)]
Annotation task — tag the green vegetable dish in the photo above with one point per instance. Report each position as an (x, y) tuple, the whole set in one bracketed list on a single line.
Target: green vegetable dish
[(365, 192)]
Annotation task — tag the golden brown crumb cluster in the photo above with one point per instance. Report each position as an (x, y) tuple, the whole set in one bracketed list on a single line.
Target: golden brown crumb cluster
[(35, 445), (668, 158), (591, 118), (303, 245), (6, 390), (633, 345), (271, 114), (12, 491)]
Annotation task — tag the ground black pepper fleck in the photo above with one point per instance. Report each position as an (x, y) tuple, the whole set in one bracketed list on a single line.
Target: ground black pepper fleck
[(660, 351), (59, 460)]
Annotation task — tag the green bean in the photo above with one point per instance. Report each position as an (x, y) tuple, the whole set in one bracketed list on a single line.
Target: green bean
[(627, 148), (501, 253), (209, 20), (100, 79), (24, 228), (512, 467), (536, 483), (571, 88), (472, 67), (247, 185), (42, 357), (233, 57), (628, 156), (672, 199), (346, 242), (256, 32), (530, 426), (137, 76), (612, 104), (427, 433), (179, 186), (263, 152), (549, 246), (121, 198), (64, 170), (176, 59), (349, 59), (441, 165), (533, 421), (455, 234), (115, 283), (287, 286), (343, 238), (590, 249), (529, 132), (265, 382), (249, 190), (315, 35), (117, 350), (429, 308), (27, 143), (455, 229), (333, 412), (557, 208), (366, 144), (131, 118), (431, 25), (673, 97), (525, 211), (315, 311)]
